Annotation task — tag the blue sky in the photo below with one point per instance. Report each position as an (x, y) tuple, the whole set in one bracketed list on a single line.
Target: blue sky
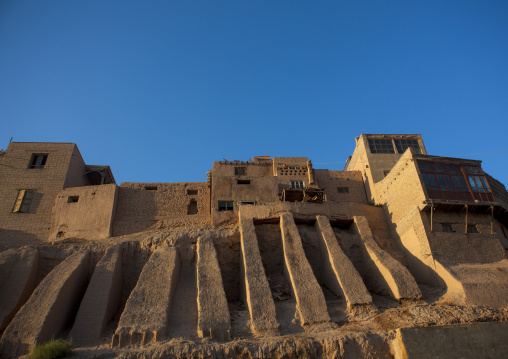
[(159, 90)]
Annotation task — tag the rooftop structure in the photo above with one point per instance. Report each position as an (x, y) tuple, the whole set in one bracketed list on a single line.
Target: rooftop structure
[(266, 249)]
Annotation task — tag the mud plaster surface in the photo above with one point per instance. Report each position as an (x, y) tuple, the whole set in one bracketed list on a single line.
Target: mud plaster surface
[(364, 332)]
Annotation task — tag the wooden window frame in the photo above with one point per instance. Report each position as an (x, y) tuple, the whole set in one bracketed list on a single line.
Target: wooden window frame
[(38, 161), (297, 184), (23, 201), (224, 206)]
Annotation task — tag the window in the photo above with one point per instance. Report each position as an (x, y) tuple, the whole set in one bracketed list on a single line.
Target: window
[(242, 181), (471, 228), (445, 177), (445, 183), (192, 208), (225, 206), (403, 144), (151, 188), (23, 201), (297, 184), (429, 180), (381, 146), (38, 160), (473, 169), (343, 189), (72, 199), (447, 227), (247, 203), (459, 183), (240, 171), (192, 192), (478, 184), (425, 166)]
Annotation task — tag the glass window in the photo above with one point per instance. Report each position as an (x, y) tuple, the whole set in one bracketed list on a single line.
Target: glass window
[(478, 184), (473, 169), (381, 146), (225, 206), (441, 181), (432, 181), (448, 182), (459, 183), (429, 180), (426, 180), (440, 168), (454, 169), (425, 166), (38, 161), (472, 183), (471, 228), (297, 184), (403, 144), (447, 227), (484, 183)]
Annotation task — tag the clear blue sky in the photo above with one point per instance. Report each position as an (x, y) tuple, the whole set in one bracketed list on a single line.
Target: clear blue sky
[(159, 90)]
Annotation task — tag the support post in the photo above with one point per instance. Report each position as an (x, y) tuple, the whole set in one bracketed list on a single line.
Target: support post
[(467, 209), (492, 220), (431, 217)]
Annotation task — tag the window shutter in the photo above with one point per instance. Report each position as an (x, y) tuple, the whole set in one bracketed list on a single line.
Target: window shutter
[(19, 201)]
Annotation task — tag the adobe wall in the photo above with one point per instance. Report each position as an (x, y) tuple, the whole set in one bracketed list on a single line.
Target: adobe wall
[(330, 181), (84, 212), (374, 165), (476, 340), (297, 170), (76, 171), (401, 192), (167, 205), (262, 189), (461, 247), (19, 229)]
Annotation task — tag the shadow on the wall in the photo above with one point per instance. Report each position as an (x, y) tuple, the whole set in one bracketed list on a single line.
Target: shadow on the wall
[(15, 239), (36, 201)]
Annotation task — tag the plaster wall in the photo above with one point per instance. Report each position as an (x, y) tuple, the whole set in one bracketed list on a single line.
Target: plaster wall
[(330, 181), (90, 217), (76, 171), (460, 247), (145, 206), (401, 192), (476, 340), (374, 165)]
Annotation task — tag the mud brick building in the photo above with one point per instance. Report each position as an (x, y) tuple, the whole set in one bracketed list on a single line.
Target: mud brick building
[(269, 256)]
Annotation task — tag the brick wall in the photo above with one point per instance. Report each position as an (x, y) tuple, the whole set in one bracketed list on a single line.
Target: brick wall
[(144, 206), (331, 181), (18, 229)]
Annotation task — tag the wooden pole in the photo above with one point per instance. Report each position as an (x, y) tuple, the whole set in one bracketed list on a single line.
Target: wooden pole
[(492, 220), (431, 217), (467, 209)]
